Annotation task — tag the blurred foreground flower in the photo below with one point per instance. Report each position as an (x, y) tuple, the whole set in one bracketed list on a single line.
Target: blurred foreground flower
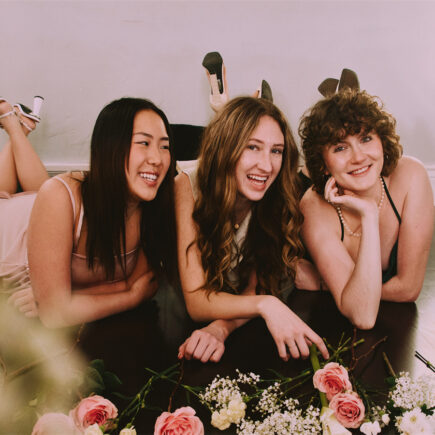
[(38, 371)]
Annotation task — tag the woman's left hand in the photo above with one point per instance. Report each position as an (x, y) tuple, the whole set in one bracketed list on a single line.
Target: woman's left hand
[(24, 301)]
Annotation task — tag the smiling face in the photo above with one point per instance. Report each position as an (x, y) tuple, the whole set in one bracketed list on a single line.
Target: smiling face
[(149, 157), (356, 161), (261, 159)]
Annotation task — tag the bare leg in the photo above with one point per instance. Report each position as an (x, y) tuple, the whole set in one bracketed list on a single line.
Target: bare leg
[(29, 169), (8, 174)]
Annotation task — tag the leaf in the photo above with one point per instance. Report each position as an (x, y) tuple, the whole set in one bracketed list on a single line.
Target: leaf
[(390, 381), (98, 364), (111, 381), (93, 380)]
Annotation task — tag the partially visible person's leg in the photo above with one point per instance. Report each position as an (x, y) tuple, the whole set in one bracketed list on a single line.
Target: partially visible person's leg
[(8, 174), (29, 170), (217, 78)]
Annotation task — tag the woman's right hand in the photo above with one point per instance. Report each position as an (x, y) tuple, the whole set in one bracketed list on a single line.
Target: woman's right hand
[(346, 199), (288, 330), (24, 301), (205, 344)]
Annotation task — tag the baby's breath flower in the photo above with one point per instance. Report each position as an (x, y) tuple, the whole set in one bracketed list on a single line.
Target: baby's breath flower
[(409, 394)]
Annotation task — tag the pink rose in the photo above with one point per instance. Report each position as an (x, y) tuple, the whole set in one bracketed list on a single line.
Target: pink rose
[(332, 379), (93, 409), (348, 409), (182, 421), (55, 423)]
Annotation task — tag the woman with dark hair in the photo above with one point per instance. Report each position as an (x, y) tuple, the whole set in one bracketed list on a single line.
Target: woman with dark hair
[(97, 241), (238, 226), (369, 215)]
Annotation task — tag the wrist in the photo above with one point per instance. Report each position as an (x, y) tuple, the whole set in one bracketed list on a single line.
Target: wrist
[(264, 304), (222, 328)]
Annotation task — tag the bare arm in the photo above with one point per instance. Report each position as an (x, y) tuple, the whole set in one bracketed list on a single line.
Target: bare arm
[(355, 286), (415, 234), (207, 344), (50, 243), (286, 328)]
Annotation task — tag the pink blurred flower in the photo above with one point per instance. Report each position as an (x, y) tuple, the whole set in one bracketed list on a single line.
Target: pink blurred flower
[(332, 379), (93, 409), (348, 409), (182, 421), (55, 423)]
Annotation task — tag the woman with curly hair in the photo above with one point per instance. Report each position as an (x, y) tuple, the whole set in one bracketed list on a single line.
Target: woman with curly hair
[(368, 219), (238, 226)]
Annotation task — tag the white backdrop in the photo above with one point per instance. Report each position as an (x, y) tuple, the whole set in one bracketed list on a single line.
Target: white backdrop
[(80, 55)]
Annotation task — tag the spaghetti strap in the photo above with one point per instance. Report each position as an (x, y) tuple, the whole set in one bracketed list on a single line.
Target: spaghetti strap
[(73, 203), (342, 228), (56, 177), (391, 201)]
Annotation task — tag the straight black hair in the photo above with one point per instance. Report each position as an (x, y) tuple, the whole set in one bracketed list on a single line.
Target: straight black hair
[(105, 195)]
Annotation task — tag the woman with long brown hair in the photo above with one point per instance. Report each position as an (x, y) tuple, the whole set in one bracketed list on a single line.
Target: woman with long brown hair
[(238, 227), (97, 241)]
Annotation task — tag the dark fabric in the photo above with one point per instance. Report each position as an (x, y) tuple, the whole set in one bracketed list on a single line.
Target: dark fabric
[(306, 182), (187, 140)]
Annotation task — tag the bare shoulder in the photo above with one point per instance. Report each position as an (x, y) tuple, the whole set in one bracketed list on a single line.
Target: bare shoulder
[(408, 166), (314, 204), (183, 188), (54, 195), (409, 175)]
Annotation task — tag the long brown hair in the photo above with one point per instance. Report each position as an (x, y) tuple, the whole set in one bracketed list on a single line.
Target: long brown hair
[(105, 195), (272, 242)]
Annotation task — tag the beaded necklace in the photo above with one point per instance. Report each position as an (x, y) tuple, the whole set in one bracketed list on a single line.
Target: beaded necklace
[(343, 221)]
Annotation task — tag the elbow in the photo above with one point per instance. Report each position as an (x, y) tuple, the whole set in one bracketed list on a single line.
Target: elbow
[(409, 297), (363, 320), (50, 321), (195, 312), (51, 318), (364, 324)]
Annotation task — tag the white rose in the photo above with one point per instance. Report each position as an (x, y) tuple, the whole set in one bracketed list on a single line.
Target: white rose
[(236, 410), (93, 430), (385, 419), (370, 428), (220, 419), (128, 431)]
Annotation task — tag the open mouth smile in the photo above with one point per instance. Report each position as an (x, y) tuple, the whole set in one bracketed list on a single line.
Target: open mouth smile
[(360, 171), (258, 179), (150, 177)]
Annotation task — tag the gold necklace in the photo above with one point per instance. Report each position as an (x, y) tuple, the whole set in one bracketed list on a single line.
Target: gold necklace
[(343, 221)]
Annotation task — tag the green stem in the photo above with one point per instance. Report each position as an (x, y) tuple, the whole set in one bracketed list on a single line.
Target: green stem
[(316, 366), (390, 367)]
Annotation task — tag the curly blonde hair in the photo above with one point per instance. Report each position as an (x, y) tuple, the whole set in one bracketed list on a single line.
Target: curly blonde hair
[(348, 112), (272, 242)]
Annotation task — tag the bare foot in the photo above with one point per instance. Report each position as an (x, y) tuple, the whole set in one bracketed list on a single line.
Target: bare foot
[(8, 119)]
